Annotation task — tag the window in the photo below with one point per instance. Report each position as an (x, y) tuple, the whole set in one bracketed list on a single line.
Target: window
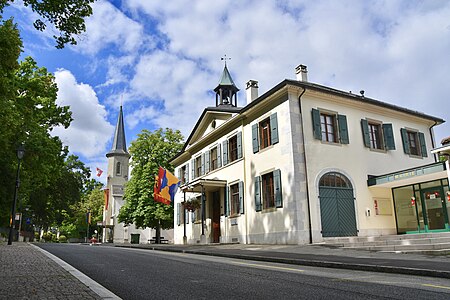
[(265, 133), (118, 169), (232, 149), (330, 127), (183, 174), (377, 135), (334, 179), (268, 191), (234, 199), (414, 142), (214, 154), (198, 166)]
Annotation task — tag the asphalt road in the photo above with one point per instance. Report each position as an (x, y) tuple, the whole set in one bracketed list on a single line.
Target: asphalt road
[(144, 274)]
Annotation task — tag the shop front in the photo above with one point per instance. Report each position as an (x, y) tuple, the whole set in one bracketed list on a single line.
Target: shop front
[(421, 197)]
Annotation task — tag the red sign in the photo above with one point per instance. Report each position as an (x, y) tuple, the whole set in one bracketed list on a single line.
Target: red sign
[(413, 201)]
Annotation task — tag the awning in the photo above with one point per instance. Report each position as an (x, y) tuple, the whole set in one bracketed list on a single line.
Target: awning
[(199, 185), (424, 173)]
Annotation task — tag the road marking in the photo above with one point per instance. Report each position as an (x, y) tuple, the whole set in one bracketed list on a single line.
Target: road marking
[(437, 286), (267, 266)]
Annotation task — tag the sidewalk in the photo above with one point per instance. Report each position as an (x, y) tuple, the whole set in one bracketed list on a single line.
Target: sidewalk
[(27, 273), (320, 256)]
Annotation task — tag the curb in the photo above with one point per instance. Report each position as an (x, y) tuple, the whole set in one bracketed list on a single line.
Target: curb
[(311, 263)]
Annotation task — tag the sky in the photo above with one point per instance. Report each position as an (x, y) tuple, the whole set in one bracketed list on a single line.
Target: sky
[(162, 59)]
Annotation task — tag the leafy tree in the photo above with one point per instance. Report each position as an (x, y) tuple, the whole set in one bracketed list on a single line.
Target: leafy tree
[(66, 16), (148, 152)]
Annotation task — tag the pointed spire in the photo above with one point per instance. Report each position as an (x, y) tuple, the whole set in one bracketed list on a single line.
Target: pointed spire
[(226, 78), (226, 91), (119, 145)]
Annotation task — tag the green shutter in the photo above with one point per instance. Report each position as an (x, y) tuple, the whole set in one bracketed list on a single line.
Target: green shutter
[(186, 215), (258, 193), (239, 144), (405, 141), (277, 188), (179, 173), (317, 129), (219, 159), (186, 174), (193, 168), (273, 129), (365, 132), (226, 202), (241, 197), (207, 160), (178, 214), (343, 129), (255, 138), (203, 164), (225, 152), (388, 133), (423, 145)]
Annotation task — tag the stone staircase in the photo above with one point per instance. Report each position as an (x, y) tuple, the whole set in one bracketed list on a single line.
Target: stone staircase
[(421, 243)]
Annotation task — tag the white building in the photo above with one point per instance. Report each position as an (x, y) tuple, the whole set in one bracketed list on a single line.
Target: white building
[(304, 162), (118, 170)]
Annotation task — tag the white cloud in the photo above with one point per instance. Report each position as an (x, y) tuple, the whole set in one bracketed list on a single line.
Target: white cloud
[(397, 51), (108, 26), (89, 131)]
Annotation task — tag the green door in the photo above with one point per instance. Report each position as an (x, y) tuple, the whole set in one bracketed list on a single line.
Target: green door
[(337, 210), (434, 207)]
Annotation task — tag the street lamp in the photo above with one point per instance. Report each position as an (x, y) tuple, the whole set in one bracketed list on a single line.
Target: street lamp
[(20, 154)]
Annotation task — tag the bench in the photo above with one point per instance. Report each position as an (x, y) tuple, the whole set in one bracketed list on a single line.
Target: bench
[(162, 240)]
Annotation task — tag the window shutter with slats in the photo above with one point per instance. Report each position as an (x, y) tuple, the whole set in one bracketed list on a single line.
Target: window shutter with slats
[(226, 203), (317, 129), (255, 140), (365, 132), (239, 144), (273, 129), (186, 173), (203, 164), (207, 160), (225, 152), (343, 129), (277, 188), (241, 197), (258, 193), (388, 133), (405, 141), (193, 168), (219, 155), (423, 145)]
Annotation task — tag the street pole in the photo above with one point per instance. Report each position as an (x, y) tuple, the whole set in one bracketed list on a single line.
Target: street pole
[(88, 222), (12, 221)]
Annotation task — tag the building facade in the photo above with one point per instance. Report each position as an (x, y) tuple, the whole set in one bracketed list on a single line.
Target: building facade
[(304, 162)]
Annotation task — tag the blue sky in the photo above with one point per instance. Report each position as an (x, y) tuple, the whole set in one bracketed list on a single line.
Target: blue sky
[(163, 58)]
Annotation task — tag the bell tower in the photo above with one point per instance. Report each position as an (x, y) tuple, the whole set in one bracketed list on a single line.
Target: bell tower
[(226, 91), (118, 168)]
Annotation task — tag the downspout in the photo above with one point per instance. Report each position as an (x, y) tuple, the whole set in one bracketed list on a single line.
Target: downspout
[(436, 158), (184, 219), (306, 169), (245, 181)]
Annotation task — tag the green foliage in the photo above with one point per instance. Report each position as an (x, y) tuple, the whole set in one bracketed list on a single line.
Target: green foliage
[(65, 16), (148, 152), (62, 239), (47, 236)]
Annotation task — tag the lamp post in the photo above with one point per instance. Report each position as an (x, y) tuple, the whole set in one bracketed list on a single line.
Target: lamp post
[(20, 154)]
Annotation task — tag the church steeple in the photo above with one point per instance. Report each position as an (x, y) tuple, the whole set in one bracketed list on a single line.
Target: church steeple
[(119, 146), (226, 91)]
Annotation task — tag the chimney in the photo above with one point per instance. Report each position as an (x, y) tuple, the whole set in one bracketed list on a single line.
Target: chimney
[(302, 73), (251, 90)]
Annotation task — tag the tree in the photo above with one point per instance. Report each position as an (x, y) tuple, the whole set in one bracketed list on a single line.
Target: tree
[(66, 16), (148, 152), (29, 112)]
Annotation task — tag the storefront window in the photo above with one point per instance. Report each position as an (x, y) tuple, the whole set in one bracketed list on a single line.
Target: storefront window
[(405, 209)]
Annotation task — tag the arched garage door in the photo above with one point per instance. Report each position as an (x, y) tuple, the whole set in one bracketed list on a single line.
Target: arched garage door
[(337, 206)]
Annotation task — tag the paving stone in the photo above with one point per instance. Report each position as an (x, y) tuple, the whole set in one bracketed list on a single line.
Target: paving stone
[(26, 273)]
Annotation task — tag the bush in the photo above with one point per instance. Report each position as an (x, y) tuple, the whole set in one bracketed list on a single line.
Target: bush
[(62, 239), (47, 236), (36, 236)]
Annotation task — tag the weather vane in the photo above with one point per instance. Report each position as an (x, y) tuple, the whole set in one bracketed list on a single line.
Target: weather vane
[(225, 58)]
